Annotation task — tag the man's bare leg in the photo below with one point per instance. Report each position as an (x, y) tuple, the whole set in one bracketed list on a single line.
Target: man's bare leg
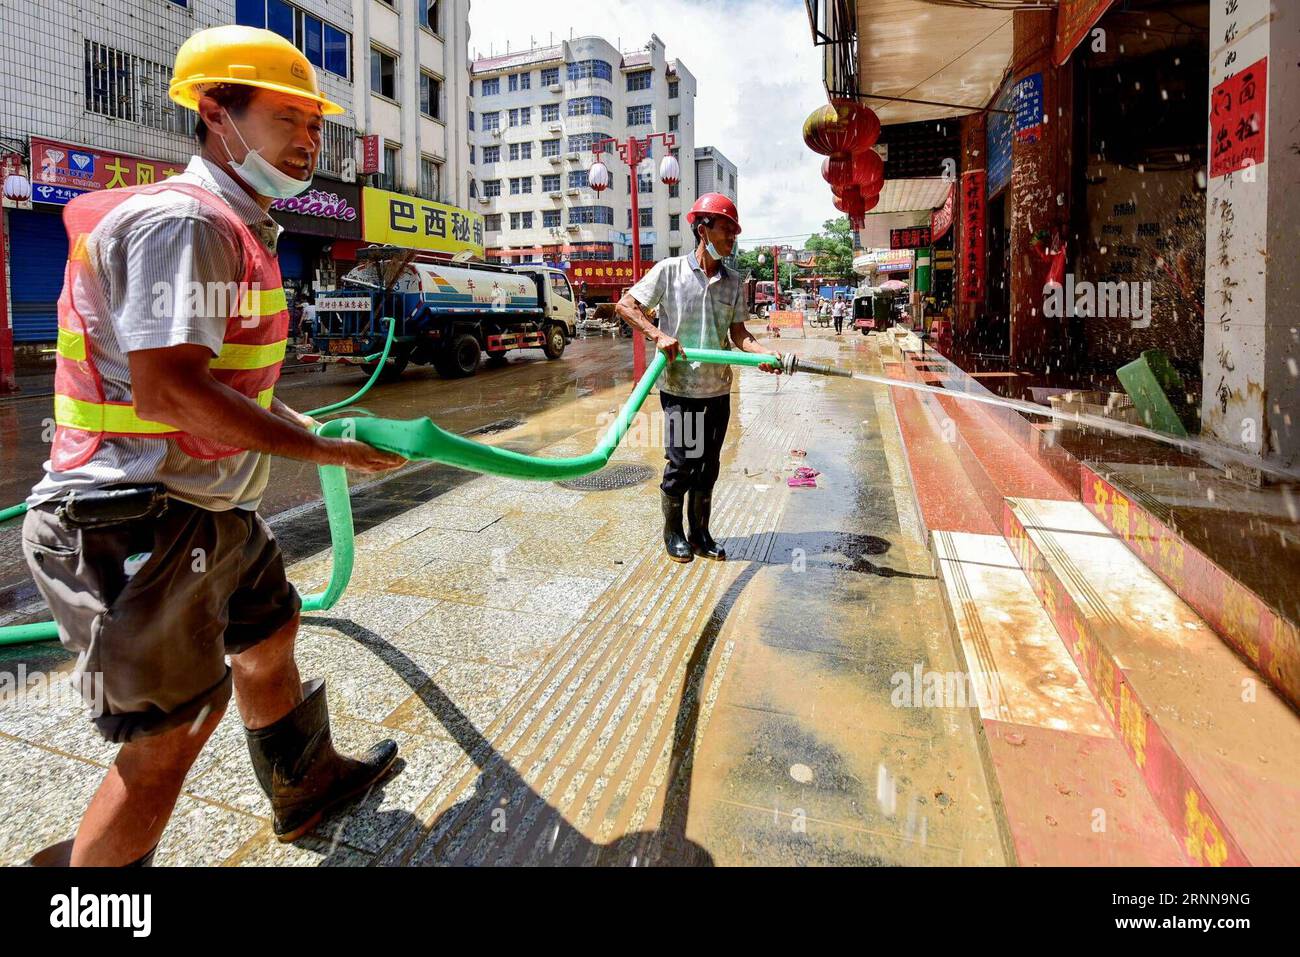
[(128, 813), (267, 684)]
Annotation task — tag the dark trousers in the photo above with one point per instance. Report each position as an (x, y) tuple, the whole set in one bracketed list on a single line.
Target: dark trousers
[(839, 324), (694, 430)]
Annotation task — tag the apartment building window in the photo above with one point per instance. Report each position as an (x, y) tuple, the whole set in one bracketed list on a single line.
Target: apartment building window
[(674, 121), (551, 183), (520, 185), (471, 156), (583, 142), (731, 178), (430, 95), (430, 178), (647, 252), (550, 218), (127, 87), (674, 251), (491, 87), (520, 151), (391, 177), (577, 179), (639, 115), (647, 217), (513, 84), (719, 174), (551, 76), (471, 119), (431, 16), (522, 116), (674, 190), (525, 81), (336, 147), (587, 69), (591, 106), (550, 112), (492, 222), (383, 73), (491, 121), (521, 220), (641, 80), (672, 89), (324, 44), (550, 148), (491, 188), (645, 183), (491, 154), (603, 215)]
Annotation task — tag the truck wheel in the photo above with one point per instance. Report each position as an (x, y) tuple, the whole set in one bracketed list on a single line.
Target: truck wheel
[(398, 358), (461, 358), (553, 346)]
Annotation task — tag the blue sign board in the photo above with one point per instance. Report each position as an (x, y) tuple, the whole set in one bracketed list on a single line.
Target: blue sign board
[(1029, 107), (54, 195)]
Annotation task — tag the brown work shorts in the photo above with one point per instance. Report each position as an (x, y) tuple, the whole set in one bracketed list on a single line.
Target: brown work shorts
[(152, 606)]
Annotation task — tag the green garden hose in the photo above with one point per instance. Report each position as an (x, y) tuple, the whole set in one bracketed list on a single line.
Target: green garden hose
[(421, 439)]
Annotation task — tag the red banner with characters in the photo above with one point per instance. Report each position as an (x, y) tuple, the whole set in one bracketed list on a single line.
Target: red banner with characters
[(596, 272), (972, 236), (1237, 120), (85, 169), (1074, 18)]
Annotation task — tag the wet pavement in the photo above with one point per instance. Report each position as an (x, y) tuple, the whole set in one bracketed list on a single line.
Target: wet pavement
[(563, 694)]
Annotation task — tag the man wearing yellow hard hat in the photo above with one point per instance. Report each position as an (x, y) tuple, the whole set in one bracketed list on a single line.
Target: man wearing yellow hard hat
[(143, 536)]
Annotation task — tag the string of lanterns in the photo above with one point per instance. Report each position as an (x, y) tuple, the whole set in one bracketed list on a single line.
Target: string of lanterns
[(845, 132)]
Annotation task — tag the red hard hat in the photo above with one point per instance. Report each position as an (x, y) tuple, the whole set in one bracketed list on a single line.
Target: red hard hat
[(713, 204)]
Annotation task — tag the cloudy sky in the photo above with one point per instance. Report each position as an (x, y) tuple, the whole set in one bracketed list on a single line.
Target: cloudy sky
[(758, 75)]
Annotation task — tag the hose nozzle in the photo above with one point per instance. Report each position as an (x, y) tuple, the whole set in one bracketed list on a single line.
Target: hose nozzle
[(793, 363)]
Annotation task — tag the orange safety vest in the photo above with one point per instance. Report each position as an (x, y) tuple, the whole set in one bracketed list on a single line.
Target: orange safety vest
[(251, 353)]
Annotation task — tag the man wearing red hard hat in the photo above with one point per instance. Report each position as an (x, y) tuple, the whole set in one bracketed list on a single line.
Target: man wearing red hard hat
[(700, 305)]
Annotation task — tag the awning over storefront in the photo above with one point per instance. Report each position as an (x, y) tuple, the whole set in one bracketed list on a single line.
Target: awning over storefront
[(926, 51)]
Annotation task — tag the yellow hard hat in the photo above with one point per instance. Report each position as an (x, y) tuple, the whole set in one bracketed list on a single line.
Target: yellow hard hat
[(246, 56)]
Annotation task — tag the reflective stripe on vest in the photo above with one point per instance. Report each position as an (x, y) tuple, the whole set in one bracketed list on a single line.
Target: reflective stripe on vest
[(119, 418), (72, 345)]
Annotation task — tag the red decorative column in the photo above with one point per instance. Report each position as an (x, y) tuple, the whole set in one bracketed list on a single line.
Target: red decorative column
[(970, 229)]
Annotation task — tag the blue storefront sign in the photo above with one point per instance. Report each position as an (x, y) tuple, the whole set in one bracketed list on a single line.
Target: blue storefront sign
[(1029, 107), (54, 195)]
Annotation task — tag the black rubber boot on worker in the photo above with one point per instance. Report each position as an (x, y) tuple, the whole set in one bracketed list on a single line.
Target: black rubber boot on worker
[(300, 771), (60, 855), (699, 505), (679, 549)]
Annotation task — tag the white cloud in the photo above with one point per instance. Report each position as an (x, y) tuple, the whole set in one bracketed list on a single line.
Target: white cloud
[(758, 73)]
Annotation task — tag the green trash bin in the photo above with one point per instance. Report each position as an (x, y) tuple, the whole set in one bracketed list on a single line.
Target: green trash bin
[(1149, 381)]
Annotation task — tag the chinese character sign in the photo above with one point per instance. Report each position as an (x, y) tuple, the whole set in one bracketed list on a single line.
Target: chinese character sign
[(1237, 120), (972, 235), (61, 171), (398, 220), (913, 237)]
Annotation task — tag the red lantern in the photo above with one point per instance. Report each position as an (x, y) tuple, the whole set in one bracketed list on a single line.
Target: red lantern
[(837, 127), (870, 202), (868, 171), (852, 205), (871, 125), (837, 169)]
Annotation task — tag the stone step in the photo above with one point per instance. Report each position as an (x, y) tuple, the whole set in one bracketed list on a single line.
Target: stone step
[(1215, 745)]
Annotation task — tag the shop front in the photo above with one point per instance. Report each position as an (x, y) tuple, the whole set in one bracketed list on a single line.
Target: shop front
[(601, 281), (322, 230), (38, 244)]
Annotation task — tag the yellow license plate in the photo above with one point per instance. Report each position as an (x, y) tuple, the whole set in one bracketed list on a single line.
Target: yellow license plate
[(338, 346)]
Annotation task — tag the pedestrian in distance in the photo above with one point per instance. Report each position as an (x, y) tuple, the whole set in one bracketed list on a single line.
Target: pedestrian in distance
[(143, 535), (837, 313), (699, 304)]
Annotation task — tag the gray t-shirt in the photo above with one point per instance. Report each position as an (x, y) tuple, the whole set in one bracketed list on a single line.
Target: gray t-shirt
[(174, 240), (698, 312)]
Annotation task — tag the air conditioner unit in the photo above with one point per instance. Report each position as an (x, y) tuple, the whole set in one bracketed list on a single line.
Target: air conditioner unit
[(555, 88), (556, 158), (498, 132), (572, 227), (485, 200), (555, 127), (574, 157), (556, 194), (573, 192)]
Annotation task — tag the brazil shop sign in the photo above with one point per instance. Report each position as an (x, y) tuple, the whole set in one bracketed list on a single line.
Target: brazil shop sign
[(329, 208)]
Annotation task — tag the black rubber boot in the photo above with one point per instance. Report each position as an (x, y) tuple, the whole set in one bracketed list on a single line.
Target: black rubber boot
[(679, 549), (300, 771), (60, 855), (699, 505)]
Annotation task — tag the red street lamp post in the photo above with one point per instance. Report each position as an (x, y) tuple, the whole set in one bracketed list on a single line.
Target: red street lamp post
[(776, 272), (633, 151)]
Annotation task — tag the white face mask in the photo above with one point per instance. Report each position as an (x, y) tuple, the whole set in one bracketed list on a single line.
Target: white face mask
[(258, 173)]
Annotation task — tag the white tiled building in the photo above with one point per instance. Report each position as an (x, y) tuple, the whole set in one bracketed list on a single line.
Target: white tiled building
[(536, 114), (714, 173)]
